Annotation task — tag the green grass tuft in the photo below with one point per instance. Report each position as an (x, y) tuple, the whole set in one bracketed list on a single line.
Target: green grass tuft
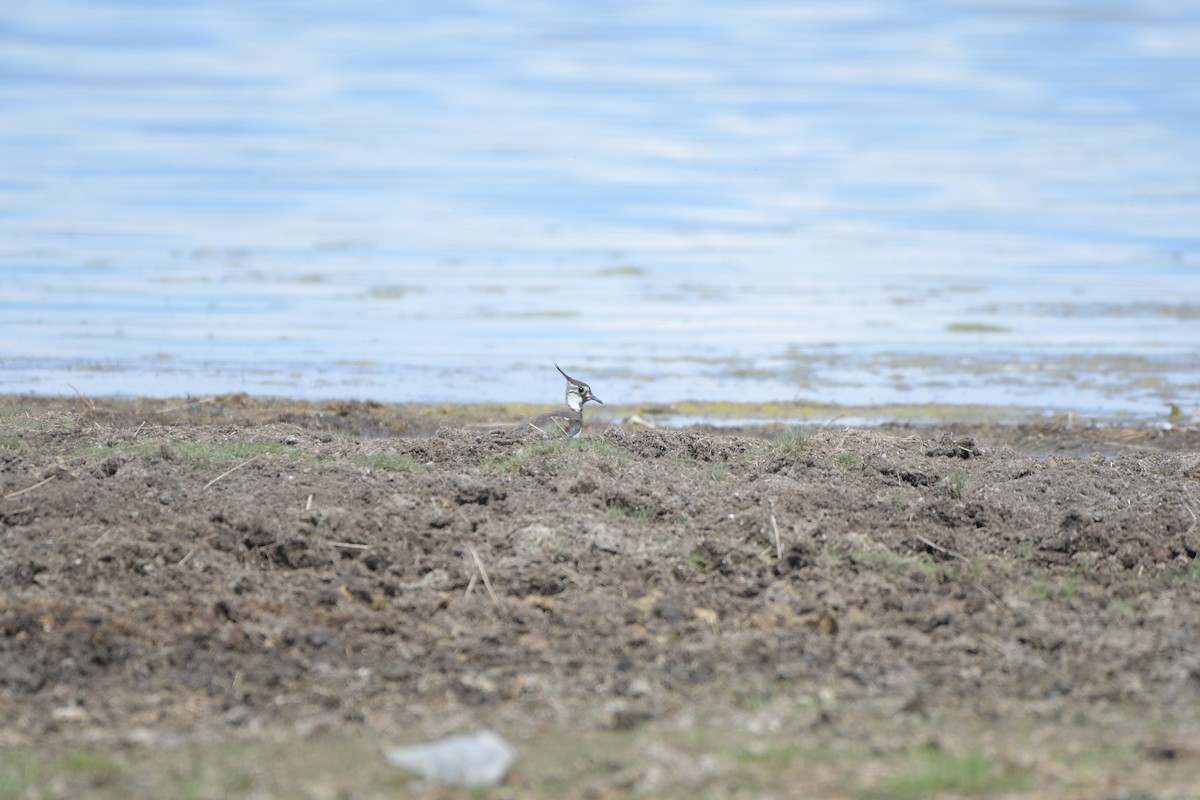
[(207, 454), (848, 460), (794, 442), (958, 484), (88, 762), (936, 773), (391, 462), (1060, 587), (552, 456), (897, 566), (538, 457), (620, 508), (24, 418), (598, 447)]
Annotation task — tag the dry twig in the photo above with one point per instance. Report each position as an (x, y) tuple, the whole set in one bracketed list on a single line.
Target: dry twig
[(91, 404), (979, 584), (487, 584), (20, 492), (939, 548), (229, 471), (778, 541)]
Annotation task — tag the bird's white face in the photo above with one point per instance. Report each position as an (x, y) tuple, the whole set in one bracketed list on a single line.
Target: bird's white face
[(578, 394)]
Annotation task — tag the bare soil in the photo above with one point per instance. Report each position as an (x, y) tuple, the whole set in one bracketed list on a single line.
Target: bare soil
[(181, 572)]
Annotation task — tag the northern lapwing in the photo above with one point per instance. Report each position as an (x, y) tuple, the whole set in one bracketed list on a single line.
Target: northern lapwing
[(565, 422)]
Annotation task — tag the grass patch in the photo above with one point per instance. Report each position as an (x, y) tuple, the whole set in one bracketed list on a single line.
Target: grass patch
[(78, 773), (848, 460), (1092, 755), (958, 484), (206, 454), (89, 762), (10, 441), (229, 770), (23, 418), (794, 442), (1061, 587), (599, 448), (718, 472), (550, 457), (531, 458), (897, 566), (771, 757), (619, 508), (512, 461), (832, 555), (935, 773), (901, 499), (1192, 573), (391, 462)]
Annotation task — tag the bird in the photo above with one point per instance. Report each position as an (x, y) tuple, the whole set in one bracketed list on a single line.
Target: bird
[(565, 422)]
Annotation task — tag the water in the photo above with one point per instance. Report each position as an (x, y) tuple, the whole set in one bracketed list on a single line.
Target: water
[(848, 202)]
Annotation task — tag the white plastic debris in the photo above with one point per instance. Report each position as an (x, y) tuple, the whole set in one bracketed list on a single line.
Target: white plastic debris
[(478, 760)]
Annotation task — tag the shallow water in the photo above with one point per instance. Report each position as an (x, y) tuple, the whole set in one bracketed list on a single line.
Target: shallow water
[(857, 203)]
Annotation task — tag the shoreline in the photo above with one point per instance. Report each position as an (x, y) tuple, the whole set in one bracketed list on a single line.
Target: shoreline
[(1171, 431)]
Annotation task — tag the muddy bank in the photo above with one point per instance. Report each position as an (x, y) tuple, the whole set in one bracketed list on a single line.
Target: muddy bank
[(182, 571)]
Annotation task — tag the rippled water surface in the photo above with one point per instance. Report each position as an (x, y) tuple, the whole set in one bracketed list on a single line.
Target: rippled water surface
[(848, 202)]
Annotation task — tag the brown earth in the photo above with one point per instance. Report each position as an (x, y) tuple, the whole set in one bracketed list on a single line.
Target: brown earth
[(179, 572)]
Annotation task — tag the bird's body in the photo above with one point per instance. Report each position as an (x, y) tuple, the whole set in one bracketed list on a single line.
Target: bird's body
[(565, 422), (558, 424)]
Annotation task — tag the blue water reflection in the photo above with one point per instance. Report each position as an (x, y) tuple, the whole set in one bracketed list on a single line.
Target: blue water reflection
[(857, 202)]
